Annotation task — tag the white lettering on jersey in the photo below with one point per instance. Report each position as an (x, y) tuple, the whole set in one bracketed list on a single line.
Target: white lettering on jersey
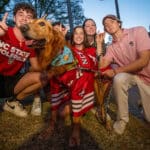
[(83, 58), (93, 58), (4, 45), (13, 52), (82, 93)]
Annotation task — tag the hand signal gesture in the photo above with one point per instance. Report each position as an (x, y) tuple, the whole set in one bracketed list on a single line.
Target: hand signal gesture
[(100, 38), (99, 41), (64, 30), (3, 22), (3, 25)]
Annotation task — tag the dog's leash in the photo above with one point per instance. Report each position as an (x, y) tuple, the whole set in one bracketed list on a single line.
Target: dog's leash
[(106, 102), (86, 69)]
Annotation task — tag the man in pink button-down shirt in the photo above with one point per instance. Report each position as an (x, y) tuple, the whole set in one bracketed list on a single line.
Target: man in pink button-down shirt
[(130, 51)]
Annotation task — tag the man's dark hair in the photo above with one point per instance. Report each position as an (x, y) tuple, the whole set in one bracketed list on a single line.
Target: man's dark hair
[(58, 23), (25, 6)]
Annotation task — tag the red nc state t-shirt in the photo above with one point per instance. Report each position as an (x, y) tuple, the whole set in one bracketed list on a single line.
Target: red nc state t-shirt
[(13, 54)]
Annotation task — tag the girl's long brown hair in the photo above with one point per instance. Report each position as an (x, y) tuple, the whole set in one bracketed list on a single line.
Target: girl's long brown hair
[(72, 41)]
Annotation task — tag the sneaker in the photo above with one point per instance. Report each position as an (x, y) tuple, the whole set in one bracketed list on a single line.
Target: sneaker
[(36, 107), (119, 126), (15, 108)]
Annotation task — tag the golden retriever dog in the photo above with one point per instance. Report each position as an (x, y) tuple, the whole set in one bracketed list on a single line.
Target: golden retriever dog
[(48, 43)]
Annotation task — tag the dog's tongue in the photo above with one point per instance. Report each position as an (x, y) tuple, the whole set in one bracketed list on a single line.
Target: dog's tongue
[(29, 42), (35, 43)]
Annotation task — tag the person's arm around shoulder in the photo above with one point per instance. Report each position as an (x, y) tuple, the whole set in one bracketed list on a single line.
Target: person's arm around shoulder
[(3, 25)]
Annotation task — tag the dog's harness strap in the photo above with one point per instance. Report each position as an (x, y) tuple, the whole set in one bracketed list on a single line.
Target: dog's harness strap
[(86, 69)]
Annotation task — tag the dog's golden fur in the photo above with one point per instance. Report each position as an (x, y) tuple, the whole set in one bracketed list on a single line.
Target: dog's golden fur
[(54, 41)]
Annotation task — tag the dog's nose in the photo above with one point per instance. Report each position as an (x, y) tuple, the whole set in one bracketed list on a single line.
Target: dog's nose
[(24, 28)]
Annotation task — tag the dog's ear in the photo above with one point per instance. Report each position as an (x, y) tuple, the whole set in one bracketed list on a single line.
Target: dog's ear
[(50, 35), (58, 40)]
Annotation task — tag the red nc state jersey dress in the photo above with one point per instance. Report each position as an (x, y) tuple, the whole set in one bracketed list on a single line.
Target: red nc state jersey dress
[(76, 85)]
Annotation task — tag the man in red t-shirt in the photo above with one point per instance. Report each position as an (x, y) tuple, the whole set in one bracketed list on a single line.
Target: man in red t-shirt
[(13, 55)]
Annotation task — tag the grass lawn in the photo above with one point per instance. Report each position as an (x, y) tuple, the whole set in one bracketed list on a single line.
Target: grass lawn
[(21, 133)]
